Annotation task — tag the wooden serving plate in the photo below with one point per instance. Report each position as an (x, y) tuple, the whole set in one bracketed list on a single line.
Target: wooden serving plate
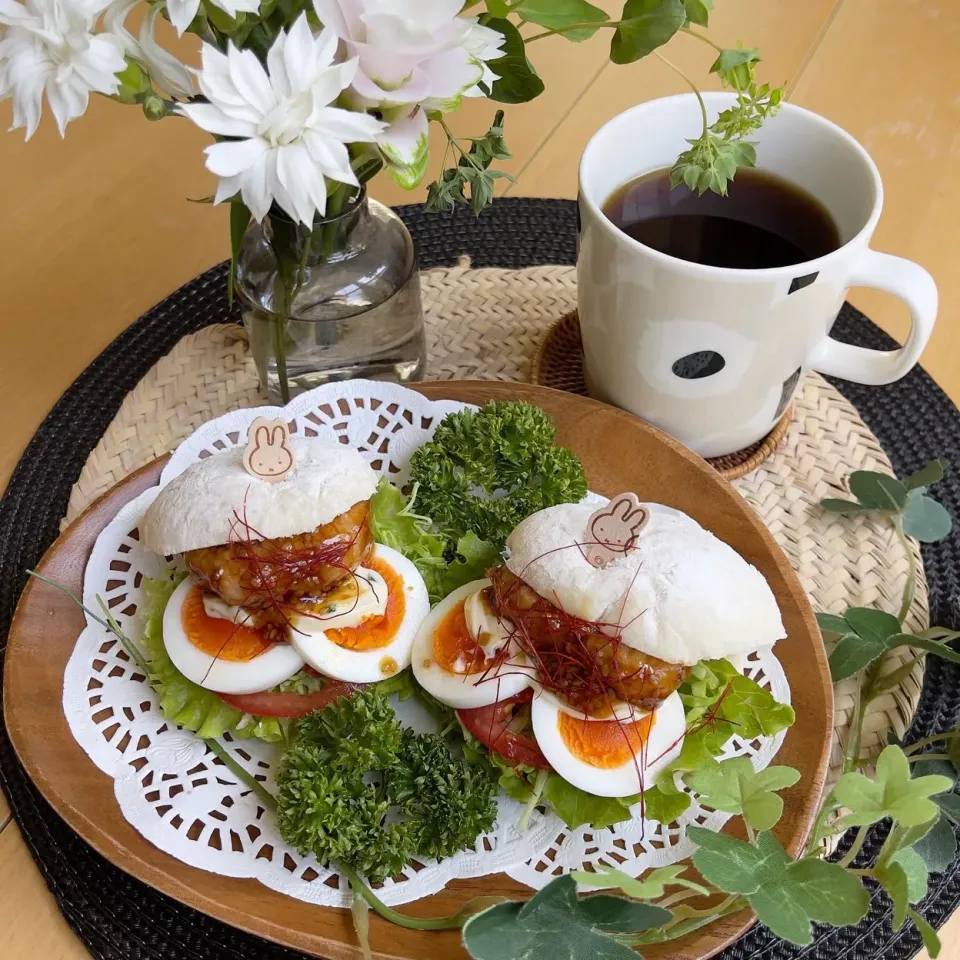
[(619, 453)]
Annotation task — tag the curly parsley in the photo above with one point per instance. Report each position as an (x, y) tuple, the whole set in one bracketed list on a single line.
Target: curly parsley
[(357, 788), (486, 470)]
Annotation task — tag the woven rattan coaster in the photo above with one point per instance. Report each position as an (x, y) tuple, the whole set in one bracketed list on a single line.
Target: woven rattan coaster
[(558, 363), (489, 324)]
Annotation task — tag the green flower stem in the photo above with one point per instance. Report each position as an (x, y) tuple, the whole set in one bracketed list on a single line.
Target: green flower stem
[(453, 142), (570, 28), (452, 922), (676, 898), (855, 737), (929, 756), (243, 775), (690, 84), (858, 843), (910, 588), (110, 623), (929, 742), (891, 845), (280, 349), (538, 786), (701, 36), (866, 690)]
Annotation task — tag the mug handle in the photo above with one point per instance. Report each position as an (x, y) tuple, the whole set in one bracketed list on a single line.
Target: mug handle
[(912, 284)]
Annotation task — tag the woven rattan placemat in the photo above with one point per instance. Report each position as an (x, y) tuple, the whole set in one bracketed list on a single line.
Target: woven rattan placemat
[(489, 323)]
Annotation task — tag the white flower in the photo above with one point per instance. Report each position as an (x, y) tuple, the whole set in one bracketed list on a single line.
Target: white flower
[(485, 44), (49, 45), (288, 137), (415, 56), (166, 71), (411, 51), (182, 12)]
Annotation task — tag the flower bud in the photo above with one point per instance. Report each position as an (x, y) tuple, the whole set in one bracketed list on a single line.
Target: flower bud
[(134, 83), (154, 107)]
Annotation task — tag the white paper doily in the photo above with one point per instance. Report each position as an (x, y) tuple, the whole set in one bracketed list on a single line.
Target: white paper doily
[(186, 802)]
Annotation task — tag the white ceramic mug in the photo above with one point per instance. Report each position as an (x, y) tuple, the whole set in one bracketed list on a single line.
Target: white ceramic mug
[(642, 311)]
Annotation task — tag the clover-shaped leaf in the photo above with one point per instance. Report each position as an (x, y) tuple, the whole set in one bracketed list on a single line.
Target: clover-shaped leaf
[(555, 923), (865, 635), (926, 519), (927, 476), (891, 794), (916, 872), (735, 787), (937, 848), (878, 491), (785, 895), (650, 886)]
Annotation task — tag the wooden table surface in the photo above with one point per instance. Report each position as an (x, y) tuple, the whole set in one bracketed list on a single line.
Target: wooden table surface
[(96, 229)]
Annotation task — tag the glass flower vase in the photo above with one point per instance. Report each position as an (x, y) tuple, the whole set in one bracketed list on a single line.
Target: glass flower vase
[(337, 301)]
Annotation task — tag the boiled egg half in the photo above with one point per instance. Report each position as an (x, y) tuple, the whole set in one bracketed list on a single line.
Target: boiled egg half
[(364, 630), (609, 758), (464, 655), (212, 644)]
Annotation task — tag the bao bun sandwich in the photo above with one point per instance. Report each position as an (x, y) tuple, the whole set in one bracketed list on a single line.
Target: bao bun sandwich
[(283, 574), (602, 643)]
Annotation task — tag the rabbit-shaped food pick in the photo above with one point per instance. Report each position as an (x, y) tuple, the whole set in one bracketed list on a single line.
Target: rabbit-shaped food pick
[(268, 455), (613, 530)]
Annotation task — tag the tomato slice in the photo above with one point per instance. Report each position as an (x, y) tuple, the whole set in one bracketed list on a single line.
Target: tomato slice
[(288, 705), (491, 726)]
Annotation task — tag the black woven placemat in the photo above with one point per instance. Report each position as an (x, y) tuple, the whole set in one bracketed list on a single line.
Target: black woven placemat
[(119, 918)]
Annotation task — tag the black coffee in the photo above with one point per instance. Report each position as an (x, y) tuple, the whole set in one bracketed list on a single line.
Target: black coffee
[(764, 221)]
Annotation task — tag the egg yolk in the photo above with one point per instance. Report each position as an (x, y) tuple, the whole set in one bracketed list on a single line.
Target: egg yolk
[(454, 650), (604, 744), (377, 631), (217, 637)]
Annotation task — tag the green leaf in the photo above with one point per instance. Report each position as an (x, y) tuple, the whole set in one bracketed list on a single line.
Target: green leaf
[(576, 807), (878, 491), (938, 847), (735, 787), (618, 915), (915, 869), (893, 879), (222, 20), (875, 626), (517, 81), (927, 475), (892, 793), (922, 643), (785, 895), (753, 710), (930, 939), (651, 886), (730, 864), (698, 11), (239, 219), (665, 807), (830, 623), (558, 14), (847, 507), (644, 26), (926, 519), (852, 654), (829, 893), (893, 679), (729, 60), (554, 923), (774, 901), (949, 804), (498, 8)]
